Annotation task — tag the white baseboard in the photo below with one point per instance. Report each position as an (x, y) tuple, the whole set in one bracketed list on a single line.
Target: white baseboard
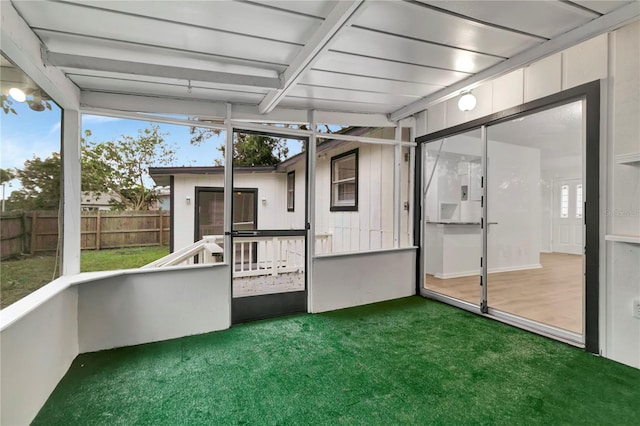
[(491, 271)]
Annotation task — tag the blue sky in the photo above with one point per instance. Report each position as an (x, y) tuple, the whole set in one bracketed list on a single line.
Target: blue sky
[(32, 133)]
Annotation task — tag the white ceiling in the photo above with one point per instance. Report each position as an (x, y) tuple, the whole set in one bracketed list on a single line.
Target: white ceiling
[(351, 56)]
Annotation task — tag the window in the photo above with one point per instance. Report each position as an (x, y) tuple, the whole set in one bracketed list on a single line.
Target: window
[(579, 201), (291, 191), (344, 182), (564, 201)]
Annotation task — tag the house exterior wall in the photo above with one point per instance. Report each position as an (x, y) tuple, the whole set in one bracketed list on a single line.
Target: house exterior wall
[(613, 58), (368, 228)]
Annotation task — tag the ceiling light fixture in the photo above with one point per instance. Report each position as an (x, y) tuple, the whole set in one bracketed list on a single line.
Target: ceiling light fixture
[(467, 102), (17, 94)]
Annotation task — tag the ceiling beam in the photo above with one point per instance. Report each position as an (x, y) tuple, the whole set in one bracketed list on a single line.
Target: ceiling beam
[(23, 48), (66, 60), (601, 25), (150, 104), (339, 16)]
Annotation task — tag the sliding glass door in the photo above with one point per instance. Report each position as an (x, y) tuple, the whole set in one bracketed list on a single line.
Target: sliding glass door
[(503, 214), (452, 213), (535, 247)]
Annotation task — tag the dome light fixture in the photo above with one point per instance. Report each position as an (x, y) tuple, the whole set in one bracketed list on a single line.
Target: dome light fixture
[(17, 94), (467, 102)]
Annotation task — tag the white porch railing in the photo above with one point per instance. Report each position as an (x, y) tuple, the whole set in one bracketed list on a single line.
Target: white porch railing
[(253, 255)]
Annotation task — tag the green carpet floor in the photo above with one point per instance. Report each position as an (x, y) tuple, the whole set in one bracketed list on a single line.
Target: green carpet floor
[(409, 361)]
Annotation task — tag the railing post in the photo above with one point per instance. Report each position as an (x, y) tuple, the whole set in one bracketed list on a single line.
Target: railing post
[(274, 255)]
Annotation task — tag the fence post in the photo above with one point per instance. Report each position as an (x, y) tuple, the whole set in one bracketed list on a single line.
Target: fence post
[(98, 230), (23, 237), (34, 222), (161, 230)]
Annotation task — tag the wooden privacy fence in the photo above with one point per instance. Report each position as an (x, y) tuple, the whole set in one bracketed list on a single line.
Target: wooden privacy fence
[(37, 231)]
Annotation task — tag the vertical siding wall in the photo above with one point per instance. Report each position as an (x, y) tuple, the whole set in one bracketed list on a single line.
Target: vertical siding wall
[(613, 58)]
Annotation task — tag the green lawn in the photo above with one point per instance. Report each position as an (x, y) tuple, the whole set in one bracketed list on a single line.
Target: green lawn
[(21, 277)]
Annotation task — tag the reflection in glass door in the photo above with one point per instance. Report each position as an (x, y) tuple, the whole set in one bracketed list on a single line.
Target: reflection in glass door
[(452, 212), (535, 214)]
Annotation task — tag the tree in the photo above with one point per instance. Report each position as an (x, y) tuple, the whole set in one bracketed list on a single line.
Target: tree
[(40, 180), (255, 150), (119, 167), (6, 175)]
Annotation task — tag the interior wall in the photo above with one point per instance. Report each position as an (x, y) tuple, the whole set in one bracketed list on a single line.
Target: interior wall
[(153, 305), (35, 353), (614, 58), (513, 178)]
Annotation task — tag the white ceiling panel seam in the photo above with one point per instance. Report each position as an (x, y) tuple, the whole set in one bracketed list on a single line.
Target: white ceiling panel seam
[(38, 31), (374, 77), (176, 22), (406, 37), (396, 61), (478, 21)]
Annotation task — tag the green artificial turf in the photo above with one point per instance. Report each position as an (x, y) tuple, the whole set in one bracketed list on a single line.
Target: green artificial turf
[(409, 361)]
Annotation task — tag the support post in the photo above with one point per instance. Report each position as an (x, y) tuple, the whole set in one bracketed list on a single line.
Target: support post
[(397, 161), (71, 191), (311, 207)]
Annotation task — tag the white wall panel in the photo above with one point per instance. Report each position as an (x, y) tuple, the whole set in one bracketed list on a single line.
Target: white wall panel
[(153, 305), (623, 340), (508, 91), (585, 62), (543, 78), (436, 118), (36, 352), (342, 281)]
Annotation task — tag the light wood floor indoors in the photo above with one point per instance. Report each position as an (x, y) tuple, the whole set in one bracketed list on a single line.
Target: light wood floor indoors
[(551, 295)]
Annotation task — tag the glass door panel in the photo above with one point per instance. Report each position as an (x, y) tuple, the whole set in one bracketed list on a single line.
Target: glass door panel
[(269, 226), (452, 211), (535, 219)]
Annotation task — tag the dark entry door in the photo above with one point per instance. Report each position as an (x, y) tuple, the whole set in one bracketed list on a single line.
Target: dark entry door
[(269, 265)]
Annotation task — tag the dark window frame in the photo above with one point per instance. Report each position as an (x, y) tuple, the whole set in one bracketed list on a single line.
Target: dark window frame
[(293, 191), (341, 208)]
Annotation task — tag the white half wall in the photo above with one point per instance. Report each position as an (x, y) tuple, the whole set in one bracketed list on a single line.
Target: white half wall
[(153, 305), (36, 352), (346, 280)]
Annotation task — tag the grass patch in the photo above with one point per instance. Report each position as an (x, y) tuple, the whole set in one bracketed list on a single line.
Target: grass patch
[(126, 258), (20, 277)]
